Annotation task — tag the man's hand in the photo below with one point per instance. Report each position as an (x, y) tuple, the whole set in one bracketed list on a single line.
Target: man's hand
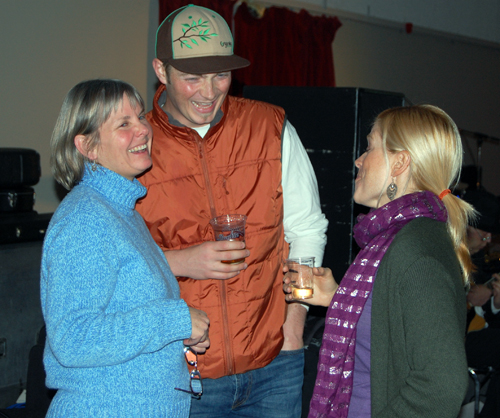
[(204, 261), (478, 295), (199, 340)]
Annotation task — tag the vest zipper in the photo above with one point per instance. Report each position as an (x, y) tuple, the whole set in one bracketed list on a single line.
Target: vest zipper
[(208, 185), (222, 283)]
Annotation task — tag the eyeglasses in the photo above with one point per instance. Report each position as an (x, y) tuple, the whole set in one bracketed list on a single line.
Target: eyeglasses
[(196, 388), (483, 237)]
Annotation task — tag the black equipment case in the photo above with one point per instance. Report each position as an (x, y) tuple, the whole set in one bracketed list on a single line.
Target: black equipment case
[(21, 240), (21, 237), (23, 227), (19, 167), (21, 199)]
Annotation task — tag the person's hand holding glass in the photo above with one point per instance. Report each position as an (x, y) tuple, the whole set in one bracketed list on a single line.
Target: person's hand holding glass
[(324, 286), (221, 259), (229, 228)]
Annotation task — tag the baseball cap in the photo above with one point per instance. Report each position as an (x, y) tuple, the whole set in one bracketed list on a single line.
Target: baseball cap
[(197, 40)]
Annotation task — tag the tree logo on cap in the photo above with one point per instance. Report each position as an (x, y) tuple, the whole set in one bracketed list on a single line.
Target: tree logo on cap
[(189, 34)]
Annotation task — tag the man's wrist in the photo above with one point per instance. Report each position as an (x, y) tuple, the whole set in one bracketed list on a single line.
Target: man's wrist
[(494, 308)]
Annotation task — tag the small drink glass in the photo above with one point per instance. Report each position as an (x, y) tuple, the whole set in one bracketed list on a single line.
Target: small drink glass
[(229, 228), (301, 275)]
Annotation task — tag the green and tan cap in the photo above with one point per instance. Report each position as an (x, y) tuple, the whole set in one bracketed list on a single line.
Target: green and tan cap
[(197, 40)]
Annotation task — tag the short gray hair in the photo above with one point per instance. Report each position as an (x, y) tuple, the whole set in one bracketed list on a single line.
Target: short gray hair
[(85, 109)]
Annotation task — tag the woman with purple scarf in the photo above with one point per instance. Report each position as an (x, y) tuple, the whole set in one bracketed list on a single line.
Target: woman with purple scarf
[(393, 344)]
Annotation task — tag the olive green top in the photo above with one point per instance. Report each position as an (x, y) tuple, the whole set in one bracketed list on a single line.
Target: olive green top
[(418, 363)]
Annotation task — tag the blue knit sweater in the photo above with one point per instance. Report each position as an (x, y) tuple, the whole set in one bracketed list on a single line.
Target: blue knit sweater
[(115, 320)]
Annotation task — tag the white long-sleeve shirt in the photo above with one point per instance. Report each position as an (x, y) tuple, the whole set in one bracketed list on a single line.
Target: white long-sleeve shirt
[(304, 223)]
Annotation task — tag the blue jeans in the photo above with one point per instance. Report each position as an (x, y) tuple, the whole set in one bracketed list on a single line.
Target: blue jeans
[(275, 391)]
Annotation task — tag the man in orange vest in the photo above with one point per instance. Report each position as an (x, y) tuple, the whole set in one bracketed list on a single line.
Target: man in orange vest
[(215, 154)]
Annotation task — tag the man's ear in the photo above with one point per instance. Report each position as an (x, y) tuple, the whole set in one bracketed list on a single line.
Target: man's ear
[(401, 163), (160, 71), (81, 146)]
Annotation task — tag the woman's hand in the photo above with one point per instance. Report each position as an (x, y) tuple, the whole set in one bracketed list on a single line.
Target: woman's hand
[(199, 340), (324, 286)]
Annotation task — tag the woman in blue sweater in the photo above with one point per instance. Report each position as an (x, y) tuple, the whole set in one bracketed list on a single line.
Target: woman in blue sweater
[(116, 326)]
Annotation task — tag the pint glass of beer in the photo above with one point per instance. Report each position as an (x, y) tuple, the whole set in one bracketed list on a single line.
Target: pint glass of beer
[(301, 276), (229, 228)]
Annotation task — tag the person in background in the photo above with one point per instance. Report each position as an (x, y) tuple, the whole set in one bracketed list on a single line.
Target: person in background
[(482, 343), (479, 234), (214, 154), (116, 326), (393, 340)]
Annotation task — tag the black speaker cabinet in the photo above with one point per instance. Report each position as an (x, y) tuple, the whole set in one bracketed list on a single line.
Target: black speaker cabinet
[(20, 309), (333, 124)]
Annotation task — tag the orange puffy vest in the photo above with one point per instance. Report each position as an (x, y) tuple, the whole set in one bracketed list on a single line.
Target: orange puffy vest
[(236, 168)]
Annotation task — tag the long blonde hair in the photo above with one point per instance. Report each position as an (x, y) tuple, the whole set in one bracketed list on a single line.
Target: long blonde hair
[(435, 147)]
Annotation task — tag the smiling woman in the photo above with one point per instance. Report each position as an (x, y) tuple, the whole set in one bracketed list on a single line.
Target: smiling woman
[(116, 326), (125, 141), (94, 114)]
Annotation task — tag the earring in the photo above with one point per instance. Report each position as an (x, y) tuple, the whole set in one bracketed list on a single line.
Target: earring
[(392, 189), (93, 165)]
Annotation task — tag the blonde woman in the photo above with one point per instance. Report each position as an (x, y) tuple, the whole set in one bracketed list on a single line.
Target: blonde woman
[(393, 340)]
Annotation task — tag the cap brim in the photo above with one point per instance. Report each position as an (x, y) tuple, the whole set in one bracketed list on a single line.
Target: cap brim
[(206, 65)]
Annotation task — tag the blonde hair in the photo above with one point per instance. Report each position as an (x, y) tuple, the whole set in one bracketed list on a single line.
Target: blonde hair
[(85, 109), (433, 141)]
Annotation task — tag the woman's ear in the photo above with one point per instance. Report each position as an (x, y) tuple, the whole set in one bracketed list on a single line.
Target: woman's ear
[(81, 146), (401, 163)]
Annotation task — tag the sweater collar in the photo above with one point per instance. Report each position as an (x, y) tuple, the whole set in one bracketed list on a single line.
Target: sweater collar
[(113, 186)]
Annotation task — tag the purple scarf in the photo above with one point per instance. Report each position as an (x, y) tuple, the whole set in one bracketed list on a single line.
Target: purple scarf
[(374, 233)]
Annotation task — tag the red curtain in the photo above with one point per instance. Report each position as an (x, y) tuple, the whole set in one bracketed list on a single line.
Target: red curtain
[(285, 48), (223, 7)]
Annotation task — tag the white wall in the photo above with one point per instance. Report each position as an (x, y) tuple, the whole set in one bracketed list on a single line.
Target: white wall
[(478, 19), (49, 46), (459, 76)]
